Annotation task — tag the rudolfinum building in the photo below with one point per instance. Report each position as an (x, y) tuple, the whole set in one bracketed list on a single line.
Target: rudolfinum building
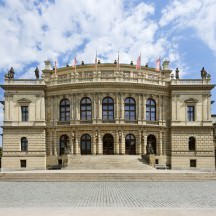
[(107, 109)]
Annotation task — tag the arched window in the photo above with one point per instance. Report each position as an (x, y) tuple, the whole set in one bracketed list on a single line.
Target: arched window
[(24, 144), (85, 109), (108, 109), (85, 144), (130, 144), (192, 144), (150, 110), (65, 110), (130, 109), (64, 145)]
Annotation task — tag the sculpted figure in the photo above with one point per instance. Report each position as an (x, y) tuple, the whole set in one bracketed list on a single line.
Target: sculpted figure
[(37, 73), (149, 148)]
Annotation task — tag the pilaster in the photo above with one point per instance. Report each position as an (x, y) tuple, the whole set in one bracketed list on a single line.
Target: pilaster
[(116, 142)]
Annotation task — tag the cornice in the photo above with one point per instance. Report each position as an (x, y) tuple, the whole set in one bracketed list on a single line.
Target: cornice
[(120, 85)]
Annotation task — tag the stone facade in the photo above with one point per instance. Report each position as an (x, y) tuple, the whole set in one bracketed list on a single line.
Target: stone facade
[(107, 110)]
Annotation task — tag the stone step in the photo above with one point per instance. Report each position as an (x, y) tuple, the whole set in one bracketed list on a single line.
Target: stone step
[(106, 162), (104, 177)]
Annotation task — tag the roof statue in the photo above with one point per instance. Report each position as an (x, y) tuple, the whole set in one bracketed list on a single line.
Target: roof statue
[(10, 74), (37, 73), (177, 73)]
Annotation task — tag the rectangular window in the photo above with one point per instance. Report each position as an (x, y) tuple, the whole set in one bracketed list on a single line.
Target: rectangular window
[(24, 111), (190, 113), (23, 163), (192, 163)]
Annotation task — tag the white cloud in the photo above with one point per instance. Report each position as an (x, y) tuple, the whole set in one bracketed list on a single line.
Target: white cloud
[(198, 15), (32, 32)]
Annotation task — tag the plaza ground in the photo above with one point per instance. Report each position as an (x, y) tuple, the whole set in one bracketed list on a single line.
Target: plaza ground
[(108, 198)]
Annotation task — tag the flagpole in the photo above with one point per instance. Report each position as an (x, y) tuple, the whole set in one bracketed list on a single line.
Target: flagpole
[(118, 64), (96, 61), (140, 61), (55, 69)]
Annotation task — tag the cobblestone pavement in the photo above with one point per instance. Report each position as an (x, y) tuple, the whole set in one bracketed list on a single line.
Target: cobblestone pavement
[(108, 194)]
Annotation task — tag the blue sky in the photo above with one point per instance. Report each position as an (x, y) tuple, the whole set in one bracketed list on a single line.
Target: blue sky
[(181, 31)]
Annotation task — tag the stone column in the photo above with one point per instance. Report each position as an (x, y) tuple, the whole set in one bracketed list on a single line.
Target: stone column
[(94, 142), (122, 144), (49, 138), (116, 108), (99, 108), (55, 143), (56, 109), (144, 142), (72, 142), (94, 108), (139, 143), (160, 142), (144, 108), (72, 103), (122, 109), (77, 145), (77, 108), (100, 144), (139, 109), (116, 143)]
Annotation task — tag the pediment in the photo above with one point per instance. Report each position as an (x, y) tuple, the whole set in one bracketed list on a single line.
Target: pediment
[(191, 100), (24, 101)]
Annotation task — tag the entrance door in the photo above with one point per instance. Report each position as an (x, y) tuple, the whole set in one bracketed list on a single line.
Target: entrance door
[(108, 144), (85, 144), (130, 144)]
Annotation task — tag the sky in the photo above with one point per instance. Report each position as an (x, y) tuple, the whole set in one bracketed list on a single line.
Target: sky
[(181, 31)]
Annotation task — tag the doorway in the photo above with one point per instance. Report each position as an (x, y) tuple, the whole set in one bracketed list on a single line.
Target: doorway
[(108, 144)]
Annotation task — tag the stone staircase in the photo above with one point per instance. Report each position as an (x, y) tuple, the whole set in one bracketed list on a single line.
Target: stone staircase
[(106, 162)]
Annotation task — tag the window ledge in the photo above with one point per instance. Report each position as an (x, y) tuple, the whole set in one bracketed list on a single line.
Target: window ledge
[(85, 121), (63, 122), (131, 121), (108, 121)]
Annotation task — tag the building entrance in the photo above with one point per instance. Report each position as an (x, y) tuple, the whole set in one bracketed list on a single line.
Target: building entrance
[(108, 144)]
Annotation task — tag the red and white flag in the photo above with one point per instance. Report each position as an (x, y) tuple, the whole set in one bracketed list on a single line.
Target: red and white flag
[(74, 63), (158, 64), (138, 65)]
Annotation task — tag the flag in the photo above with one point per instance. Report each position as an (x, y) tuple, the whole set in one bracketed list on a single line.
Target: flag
[(118, 64), (55, 68), (75, 63), (96, 61), (158, 64), (138, 65)]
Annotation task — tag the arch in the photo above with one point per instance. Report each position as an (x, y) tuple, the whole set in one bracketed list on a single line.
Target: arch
[(130, 109), (150, 110), (130, 144), (86, 109), (85, 144), (63, 144), (192, 143), (64, 110), (108, 109), (151, 147), (24, 144), (108, 144)]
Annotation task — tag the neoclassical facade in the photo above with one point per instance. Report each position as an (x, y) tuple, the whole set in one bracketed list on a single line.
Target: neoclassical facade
[(107, 109)]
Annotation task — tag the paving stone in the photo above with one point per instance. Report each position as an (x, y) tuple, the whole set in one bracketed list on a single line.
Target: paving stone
[(108, 194)]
